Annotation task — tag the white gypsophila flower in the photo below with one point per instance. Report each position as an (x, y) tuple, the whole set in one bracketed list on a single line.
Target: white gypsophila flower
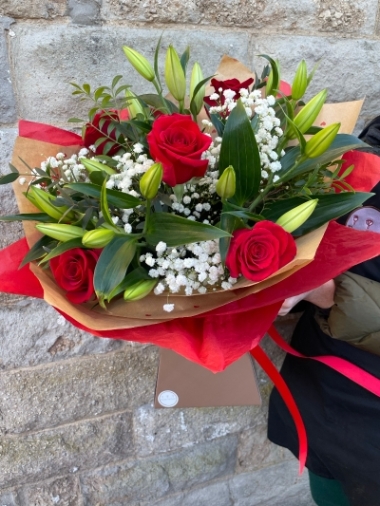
[(22, 180), (168, 307), (229, 94), (127, 228), (138, 148), (161, 247), (83, 152)]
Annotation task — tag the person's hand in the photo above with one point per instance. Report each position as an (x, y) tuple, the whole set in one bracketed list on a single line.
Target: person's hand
[(323, 297)]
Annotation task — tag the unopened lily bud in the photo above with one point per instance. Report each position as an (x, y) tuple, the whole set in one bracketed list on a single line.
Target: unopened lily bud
[(296, 217), (140, 63), (133, 104), (151, 180), (174, 74), (308, 114), (321, 141), (95, 166), (300, 81), (139, 290), (98, 238), (226, 185), (196, 78), (60, 231), (43, 201)]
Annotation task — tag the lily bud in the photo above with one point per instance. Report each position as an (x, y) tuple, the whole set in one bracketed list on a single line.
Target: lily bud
[(96, 166), (98, 238), (321, 141), (226, 185), (196, 78), (59, 231), (174, 75), (308, 114), (300, 81), (151, 180), (296, 217), (43, 201), (133, 105), (139, 290), (140, 63)]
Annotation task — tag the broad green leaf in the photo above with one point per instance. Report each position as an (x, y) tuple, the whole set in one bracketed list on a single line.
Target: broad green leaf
[(114, 197), (38, 250), (329, 207), (104, 206), (156, 102), (176, 231), (245, 215), (42, 217), (274, 76), (185, 59), (9, 178), (239, 149), (62, 248), (113, 264), (229, 223)]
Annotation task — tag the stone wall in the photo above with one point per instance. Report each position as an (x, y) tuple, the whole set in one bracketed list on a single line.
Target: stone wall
[(77, 423)]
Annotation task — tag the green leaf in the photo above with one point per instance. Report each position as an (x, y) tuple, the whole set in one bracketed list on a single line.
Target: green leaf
[(62, 248), (9, 178), (155, 101), (185, 59), (114, 197), (42, 217), (176, 231), (156, 54), (275, 75), (239, 149), (329, 207), (104, 206), (229, 223), (13, 168), (245, 215), (38, 250), (113, 264), (115, 81), (75, 120), (341, 144)]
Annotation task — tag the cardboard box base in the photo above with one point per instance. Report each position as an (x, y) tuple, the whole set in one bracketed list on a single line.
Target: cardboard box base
[(184, 384)]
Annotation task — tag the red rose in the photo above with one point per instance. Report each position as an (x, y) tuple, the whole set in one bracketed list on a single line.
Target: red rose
[(229, 84), (261, 251), (178, 144), (74, 272), (93, 132)]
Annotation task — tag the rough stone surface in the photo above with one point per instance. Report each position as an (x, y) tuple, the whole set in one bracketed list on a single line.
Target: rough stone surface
[(42, 335), (166, 430), (33, 9), (150, 479), (8, 499), (43, 455), (8, 113), (285, 15), (84, 12), (89, 54), (271, 485), (216, 494), (66, 391), (62, 492)]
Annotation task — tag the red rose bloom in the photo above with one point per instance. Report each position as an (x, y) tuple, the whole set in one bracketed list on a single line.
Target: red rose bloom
[(177, 142), (261, 251), (229, 84), (93, 132), (74, 272)]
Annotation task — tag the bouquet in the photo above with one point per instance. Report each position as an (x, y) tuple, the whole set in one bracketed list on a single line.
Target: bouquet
[(185, 219)]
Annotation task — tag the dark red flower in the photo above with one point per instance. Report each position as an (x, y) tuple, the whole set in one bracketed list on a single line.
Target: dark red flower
[(177, 142), (74, 272), (228, 84), (93, 131), (259, 252)]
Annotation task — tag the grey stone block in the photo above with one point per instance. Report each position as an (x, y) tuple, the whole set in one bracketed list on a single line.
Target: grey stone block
[(76, 389), (8, 113), (283, 15), (340, 70), (33, 9), (64, 450), (148, 480), (166, 430), (8, 499), (216, 494), (95, 55), (272, 486), (42, 335), (61, 492), (84, 12)]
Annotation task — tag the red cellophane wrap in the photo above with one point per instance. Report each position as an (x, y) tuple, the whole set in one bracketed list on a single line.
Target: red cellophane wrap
[(221, 335)]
